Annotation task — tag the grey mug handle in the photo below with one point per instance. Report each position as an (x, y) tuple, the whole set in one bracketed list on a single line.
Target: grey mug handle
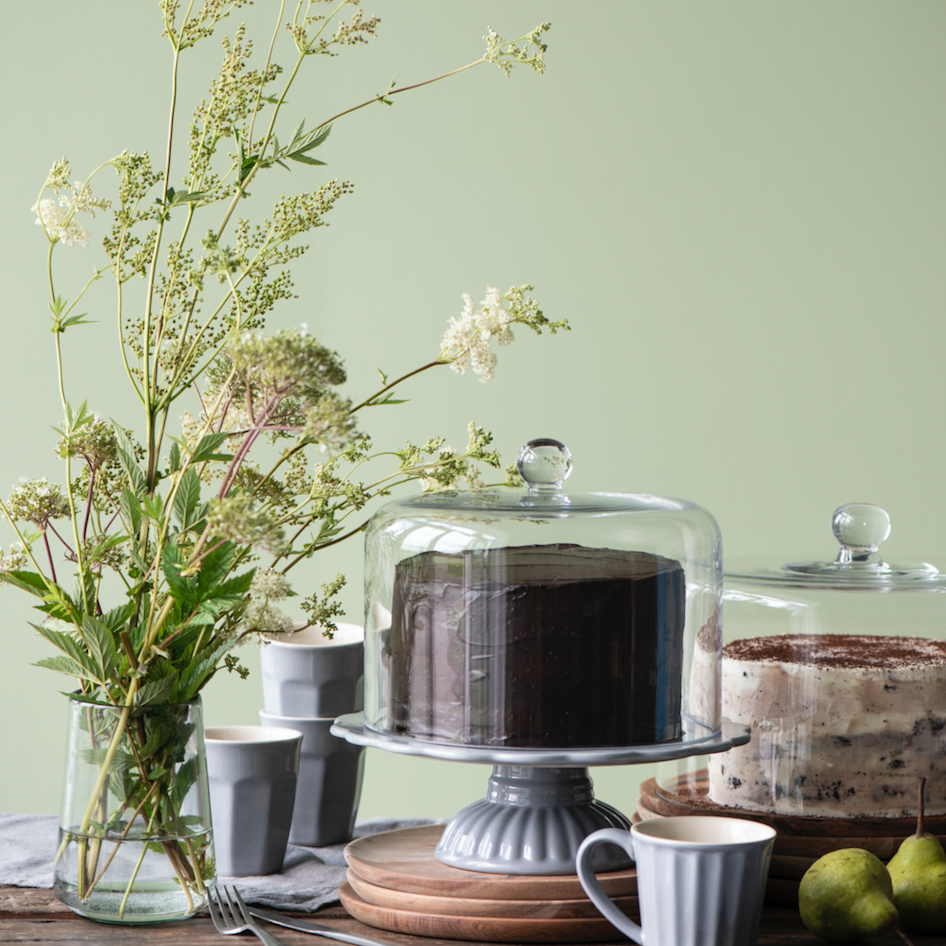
[(625, 840)]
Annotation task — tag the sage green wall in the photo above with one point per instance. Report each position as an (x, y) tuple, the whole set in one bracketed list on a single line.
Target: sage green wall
[(739, 206)]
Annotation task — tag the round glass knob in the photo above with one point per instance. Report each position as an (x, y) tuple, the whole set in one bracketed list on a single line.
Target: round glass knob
[(860, 527), (544, 464)]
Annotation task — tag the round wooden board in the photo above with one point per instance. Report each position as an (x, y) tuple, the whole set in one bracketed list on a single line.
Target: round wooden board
[(404, 860), (689, 795), (464, 906), (484, 928)]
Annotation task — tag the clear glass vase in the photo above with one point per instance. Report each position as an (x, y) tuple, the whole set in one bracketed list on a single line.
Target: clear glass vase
[(135, 842)]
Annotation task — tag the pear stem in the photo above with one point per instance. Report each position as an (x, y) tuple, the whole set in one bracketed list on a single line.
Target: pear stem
[(904, 936), (920, 785)]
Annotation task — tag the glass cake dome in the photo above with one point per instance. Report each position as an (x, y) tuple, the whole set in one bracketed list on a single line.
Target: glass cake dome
[(534, 619), (839, 668)]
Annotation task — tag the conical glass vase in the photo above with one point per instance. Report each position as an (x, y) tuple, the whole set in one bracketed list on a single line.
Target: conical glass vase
[(135, 842)]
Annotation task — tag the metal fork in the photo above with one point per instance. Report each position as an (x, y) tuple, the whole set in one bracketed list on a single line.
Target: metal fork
[(230, 915)]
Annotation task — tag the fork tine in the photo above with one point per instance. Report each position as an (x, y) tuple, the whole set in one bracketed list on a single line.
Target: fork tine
[(244, 910), (239, 914), (225, 905), (212, 907)]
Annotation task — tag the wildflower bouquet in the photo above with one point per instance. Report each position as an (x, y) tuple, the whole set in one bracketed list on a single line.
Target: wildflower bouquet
[(165, 547)]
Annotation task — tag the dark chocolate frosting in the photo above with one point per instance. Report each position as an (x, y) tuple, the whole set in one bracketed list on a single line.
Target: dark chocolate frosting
[(540, 646)]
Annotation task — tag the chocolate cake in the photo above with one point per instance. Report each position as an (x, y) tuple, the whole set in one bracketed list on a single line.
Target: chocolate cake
[(842, 725), (539, 646)]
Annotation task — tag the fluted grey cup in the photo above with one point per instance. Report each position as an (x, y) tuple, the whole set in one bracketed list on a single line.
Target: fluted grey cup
[(252, 772), (700, 880)]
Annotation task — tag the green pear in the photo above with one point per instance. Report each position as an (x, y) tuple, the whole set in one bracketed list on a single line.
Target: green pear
[(918, 872), (847, 895)]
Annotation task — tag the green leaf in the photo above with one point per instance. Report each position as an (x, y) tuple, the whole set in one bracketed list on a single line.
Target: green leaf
[(130, 510), (388, 399), (207, 448), (65, 642), (184, 197), (156, 691), (302, 159), (172, 560), (126, 457), (32, 582), (186, 499), (69, 667), (153, 507), (101, 644), (83, 590), (174, 458), (201, 669)]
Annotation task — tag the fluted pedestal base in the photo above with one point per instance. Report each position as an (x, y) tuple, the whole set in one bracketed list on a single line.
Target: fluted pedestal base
[(531, 822)]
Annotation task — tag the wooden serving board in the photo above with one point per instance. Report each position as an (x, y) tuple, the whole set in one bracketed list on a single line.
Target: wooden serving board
[(465, 906), (689, 795), (404, 860), (485, 928)]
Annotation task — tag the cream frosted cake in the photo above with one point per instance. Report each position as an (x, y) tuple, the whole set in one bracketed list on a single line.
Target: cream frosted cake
[(842, 725)]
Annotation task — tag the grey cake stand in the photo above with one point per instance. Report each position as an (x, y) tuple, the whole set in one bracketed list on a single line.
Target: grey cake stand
[(540, 805)]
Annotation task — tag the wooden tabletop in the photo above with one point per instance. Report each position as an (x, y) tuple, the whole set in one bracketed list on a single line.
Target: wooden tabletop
[(28, 915)]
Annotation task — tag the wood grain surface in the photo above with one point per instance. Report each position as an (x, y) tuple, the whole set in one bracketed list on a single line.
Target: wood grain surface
[(481, 928), (29, 915), (464, 906), (404, 860)]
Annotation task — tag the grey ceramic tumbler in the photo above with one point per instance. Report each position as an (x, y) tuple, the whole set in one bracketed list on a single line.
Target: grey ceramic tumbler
[(309, 675), (330, 776), (252, 771)]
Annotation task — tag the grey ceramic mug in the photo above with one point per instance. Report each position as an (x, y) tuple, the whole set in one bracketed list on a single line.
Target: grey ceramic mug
[(309, 675), (330, 776), (700, 880), (252, 772)]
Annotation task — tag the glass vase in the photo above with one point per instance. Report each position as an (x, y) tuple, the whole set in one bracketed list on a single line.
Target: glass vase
[(135, 842)]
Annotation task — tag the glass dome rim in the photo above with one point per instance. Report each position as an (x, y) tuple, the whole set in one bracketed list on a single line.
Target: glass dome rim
[(831, 575), (542, 504)]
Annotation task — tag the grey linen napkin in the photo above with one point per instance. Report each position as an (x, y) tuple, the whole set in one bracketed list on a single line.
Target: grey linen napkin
[(309, 879)]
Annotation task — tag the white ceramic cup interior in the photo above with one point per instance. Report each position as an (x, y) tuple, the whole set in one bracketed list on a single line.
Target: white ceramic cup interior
[(248, 734), (700, 879), (315, 637)]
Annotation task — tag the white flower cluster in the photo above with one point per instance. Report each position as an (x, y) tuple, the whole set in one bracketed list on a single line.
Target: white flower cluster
[(261, 613), (15, 560), (467, 342), (58, 221)]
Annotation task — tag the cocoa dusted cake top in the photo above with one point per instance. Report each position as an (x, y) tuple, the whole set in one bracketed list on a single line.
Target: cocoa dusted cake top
[(840, 651), (535, 565)]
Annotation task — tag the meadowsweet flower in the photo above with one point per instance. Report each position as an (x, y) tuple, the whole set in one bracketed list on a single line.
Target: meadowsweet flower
[(15, 560), (262, 614), (235, 518), (467, 342), (58, 223), (37, 501)]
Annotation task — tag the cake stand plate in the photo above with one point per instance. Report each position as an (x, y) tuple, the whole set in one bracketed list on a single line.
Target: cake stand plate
[(540, 804), (697, 740)]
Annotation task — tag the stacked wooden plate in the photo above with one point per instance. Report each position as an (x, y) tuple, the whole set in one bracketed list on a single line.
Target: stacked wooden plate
[(395, 883), (800, 840)]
